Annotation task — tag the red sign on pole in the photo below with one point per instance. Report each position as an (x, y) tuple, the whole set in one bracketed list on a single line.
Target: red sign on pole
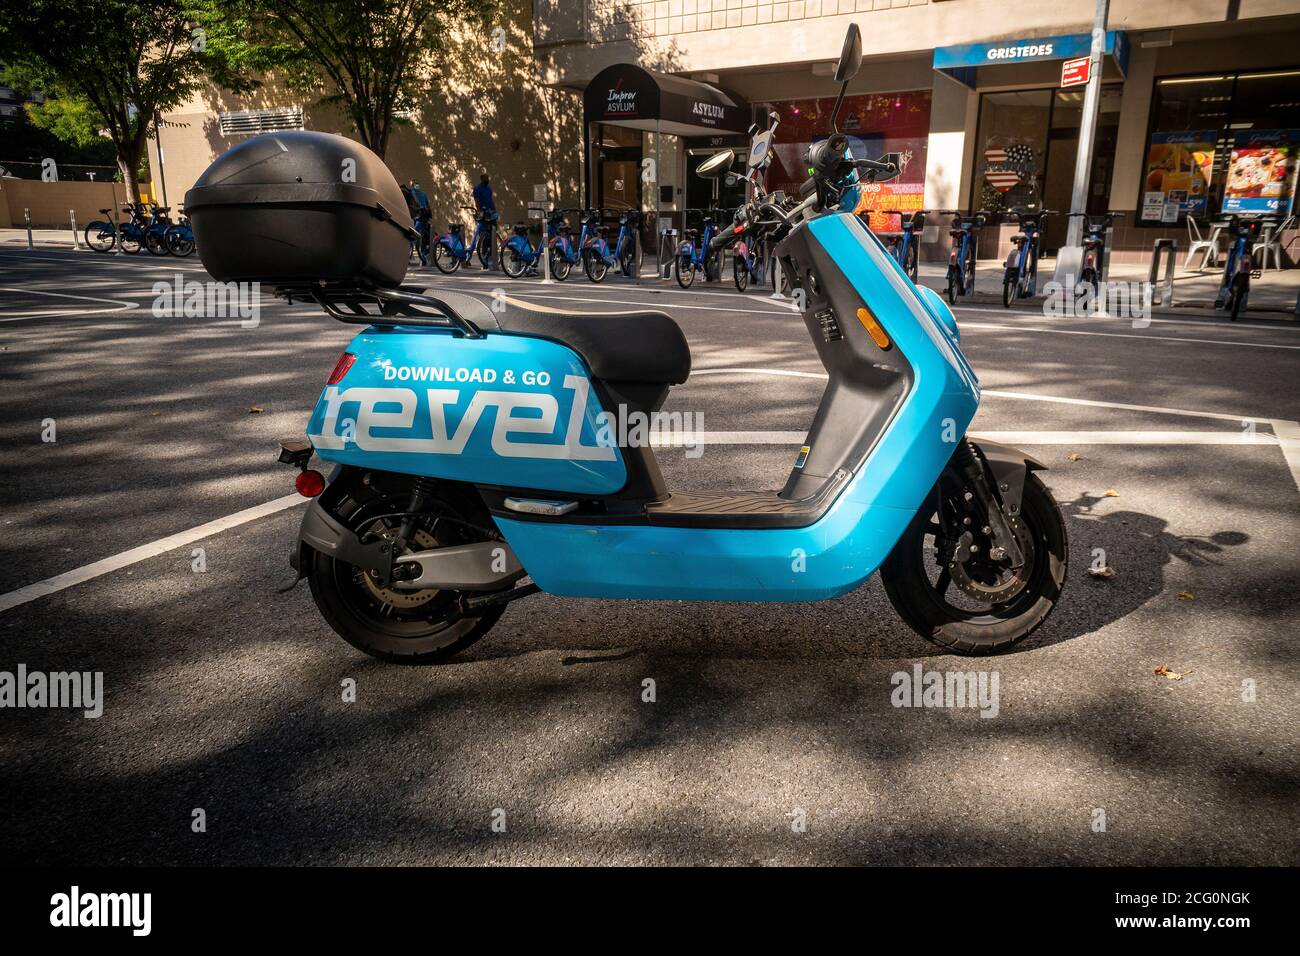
[(1074, 72)]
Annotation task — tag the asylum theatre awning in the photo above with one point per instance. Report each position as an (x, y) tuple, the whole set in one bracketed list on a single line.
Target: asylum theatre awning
[(628, 95)]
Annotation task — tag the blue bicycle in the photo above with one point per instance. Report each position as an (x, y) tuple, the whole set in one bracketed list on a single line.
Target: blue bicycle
[(451, 251), (132, 235), (694, 254), (903, 246), (1234, 290), (519, 256), (598, 258), (1020, 281), (179, 237), (961, 260)]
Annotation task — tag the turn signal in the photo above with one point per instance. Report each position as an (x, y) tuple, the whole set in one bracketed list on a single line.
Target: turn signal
[(873, 329), (309, 483)]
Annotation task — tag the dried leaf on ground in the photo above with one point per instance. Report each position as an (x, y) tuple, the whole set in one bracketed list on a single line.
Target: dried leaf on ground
[(1186, 596), (1110, 493), (1103, 572), (256, 410), (1164, 671), (1073, 456)]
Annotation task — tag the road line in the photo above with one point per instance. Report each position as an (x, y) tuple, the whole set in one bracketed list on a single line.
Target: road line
[(528, 294), (1120, 335), (145, 551), (1281, 325)]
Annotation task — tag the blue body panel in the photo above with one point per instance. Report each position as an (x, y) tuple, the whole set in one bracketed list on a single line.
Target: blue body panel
[(851, 539), (500, 410)]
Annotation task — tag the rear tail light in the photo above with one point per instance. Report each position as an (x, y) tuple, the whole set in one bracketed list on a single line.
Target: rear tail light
[(344, 363), (309, 483)]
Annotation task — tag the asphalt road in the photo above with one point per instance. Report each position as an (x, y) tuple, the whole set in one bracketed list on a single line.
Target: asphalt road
[(223, 695)]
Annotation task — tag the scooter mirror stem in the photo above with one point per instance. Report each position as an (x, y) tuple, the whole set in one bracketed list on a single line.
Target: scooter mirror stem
[(835, 113)]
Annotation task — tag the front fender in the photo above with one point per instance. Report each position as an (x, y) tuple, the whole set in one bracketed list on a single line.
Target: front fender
[(1008, 467)]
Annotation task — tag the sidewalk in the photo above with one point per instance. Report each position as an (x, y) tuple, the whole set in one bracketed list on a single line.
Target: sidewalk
[(1272, 296)]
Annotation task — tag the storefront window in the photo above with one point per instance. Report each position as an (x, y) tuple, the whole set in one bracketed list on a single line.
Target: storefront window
[(875, 124), (1221, 143), (1012, 149)]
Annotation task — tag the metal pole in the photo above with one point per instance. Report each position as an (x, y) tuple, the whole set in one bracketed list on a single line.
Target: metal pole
[(27, 217), (162, 165), (1069, 260), (546, 246), (72, 218), (659, 226)]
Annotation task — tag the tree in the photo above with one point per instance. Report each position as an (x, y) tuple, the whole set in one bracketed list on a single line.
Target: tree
[(371, 58), (107, 64)]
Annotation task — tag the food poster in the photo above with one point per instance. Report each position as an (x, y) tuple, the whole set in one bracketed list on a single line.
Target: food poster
[(1262, 171), (1178, 171)]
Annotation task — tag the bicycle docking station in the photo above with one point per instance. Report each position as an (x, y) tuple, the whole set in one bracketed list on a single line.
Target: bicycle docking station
[(1168, 248)]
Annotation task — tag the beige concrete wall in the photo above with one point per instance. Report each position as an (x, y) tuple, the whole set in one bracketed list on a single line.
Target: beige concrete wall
[(49, 202), (812, 30), (492, 114)]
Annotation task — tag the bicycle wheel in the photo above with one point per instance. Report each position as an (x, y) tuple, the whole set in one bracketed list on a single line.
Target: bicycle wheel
[(1238, 296), (513, 263), (130, 243), (100, 236), (630, 259), (1008, 291), (484, 251), (968, 274), (178, 242), (595, 267), (560, 266), (713, 268), (953, 281), (740, 273), (909, 262), (446, 260), (156, 243), (684, 271)]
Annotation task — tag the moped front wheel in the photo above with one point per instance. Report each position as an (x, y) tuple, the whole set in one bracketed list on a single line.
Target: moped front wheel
[(977, 605)]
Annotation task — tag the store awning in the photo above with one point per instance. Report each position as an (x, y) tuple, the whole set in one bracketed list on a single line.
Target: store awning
[(961, 61), (628, 95)]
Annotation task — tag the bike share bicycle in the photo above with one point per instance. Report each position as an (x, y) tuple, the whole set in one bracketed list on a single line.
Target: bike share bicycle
[(180, 237), (450, 252), (693, 252), (519, 256), (1091, 273), (1239, 268), (146, 229), (446, 492), (1020, 280), (961, 258), (904, 246), (598, 258)]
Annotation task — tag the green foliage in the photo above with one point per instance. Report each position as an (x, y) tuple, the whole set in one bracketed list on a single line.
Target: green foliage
[(104, 64), (371, 58)]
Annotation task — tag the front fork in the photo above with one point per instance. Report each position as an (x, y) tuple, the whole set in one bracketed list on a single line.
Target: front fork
[(970, 468)]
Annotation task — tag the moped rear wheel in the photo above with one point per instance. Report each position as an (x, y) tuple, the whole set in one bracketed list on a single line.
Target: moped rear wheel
[(979, 606), (402, 626)]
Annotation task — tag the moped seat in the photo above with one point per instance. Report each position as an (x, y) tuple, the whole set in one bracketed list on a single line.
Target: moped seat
[(617, 346)]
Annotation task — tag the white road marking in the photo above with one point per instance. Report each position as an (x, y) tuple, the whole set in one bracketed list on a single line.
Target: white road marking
[(644, 304), (648, 287), (145, 551), (997, 327), (1282, 325), (117, 305)]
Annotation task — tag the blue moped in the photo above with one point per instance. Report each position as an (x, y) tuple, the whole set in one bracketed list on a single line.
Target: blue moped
[(480, 454)]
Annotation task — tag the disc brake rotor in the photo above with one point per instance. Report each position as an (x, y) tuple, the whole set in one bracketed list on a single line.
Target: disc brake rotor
[(393, 597), (994, 582)]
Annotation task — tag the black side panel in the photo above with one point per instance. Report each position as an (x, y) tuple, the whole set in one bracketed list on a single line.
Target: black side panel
[(867, 383)]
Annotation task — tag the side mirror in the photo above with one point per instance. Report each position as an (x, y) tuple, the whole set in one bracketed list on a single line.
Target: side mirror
[(717, 164), (850, 56)]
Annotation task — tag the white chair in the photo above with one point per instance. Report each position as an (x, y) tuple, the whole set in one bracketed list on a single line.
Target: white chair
[(1271, 241), (1208, 247)]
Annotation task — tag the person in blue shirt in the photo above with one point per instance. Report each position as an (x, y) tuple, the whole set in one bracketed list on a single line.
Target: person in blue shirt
[(483, 195), (486, 204)]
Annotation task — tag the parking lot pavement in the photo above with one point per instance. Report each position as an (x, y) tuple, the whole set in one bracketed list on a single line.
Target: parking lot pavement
[(1173, 450)]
